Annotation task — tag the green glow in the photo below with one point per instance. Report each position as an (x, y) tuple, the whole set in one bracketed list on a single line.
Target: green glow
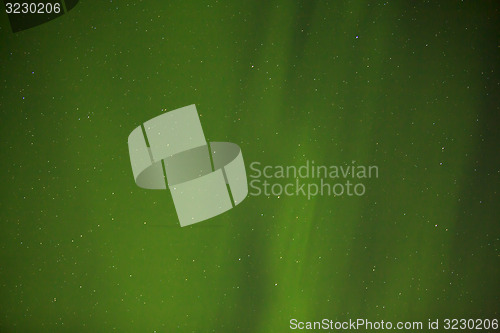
[(412, 89)]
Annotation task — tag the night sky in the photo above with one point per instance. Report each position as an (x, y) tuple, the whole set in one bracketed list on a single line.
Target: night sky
[(413, 88)]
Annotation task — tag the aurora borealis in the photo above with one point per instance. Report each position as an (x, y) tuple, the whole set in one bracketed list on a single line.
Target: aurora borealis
[(412, 88)]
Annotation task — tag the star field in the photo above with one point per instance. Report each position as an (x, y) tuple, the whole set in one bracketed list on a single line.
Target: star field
[(411, 88)]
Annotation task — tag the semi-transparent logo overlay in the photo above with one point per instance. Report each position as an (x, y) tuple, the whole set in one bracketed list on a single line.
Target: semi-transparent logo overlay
[(205, 179)]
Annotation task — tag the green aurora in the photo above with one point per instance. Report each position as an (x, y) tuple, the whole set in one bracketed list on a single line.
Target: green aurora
[(412, 88)]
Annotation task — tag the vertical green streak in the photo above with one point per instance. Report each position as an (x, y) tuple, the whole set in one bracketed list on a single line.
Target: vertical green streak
[(64, 6), (164, 173), (211, 158), (228, 188), (145, 136)]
